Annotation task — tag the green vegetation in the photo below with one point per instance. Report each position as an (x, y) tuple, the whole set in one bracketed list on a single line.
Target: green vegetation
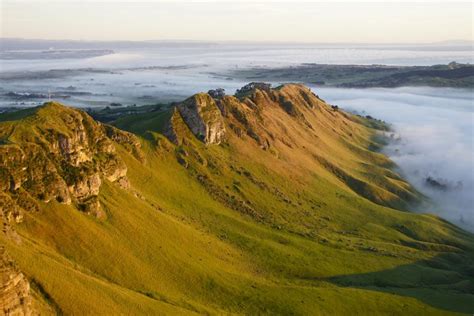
[(141, 123), (366, 76), (110, 114), (17, 115), (301, 219)]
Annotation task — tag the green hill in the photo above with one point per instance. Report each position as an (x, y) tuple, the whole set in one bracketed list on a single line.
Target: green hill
[(268, 202)]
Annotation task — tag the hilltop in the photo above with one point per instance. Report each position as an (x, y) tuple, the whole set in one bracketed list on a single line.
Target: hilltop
[(270, 201)]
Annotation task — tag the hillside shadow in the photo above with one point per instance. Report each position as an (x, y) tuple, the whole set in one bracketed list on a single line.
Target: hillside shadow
[(444, 282)]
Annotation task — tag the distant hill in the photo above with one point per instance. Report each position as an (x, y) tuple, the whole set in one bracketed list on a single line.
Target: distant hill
[(267, 202), (454, 75)]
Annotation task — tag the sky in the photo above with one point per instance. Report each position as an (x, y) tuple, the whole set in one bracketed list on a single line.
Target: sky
[(327, 22)]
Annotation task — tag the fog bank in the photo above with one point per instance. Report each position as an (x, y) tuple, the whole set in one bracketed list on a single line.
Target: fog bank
[(433, 141)]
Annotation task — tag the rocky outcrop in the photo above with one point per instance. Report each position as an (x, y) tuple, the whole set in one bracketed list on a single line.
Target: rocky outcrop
[(203, 117), (252, 86), (15, 298), (244, 112), (59, 154), (218, 93), (128, 140), (207, 114)]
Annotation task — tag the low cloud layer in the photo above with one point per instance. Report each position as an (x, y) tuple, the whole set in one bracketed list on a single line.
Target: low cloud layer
[(432, 143)]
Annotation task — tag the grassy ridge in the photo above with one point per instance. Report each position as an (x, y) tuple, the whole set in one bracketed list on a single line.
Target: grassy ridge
[(238, 229)]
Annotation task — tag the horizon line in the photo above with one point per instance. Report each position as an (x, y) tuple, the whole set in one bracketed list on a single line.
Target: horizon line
[(449, 41)]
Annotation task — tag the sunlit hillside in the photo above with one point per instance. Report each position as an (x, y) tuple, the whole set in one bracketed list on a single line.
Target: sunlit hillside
[(267, 202)]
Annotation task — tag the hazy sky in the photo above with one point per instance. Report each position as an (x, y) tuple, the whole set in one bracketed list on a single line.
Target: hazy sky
[(376, 21)]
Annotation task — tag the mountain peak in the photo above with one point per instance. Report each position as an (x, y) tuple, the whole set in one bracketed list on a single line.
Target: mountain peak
[(52, 108), (52, 105), (207, 117)]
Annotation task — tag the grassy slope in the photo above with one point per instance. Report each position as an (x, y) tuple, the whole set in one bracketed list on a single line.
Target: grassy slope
[(175, 249), (140, 123)]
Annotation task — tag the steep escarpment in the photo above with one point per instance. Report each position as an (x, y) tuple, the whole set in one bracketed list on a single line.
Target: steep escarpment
[(58, 154)]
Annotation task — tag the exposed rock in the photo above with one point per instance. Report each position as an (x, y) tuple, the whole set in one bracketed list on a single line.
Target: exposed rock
[(86, 187), (244, 111), (218, 93), (171, 129), (74, 148), (203, 117), (15, 298), (92, 207), (129, 141), (250, 87), (65, 157), (10, 213)]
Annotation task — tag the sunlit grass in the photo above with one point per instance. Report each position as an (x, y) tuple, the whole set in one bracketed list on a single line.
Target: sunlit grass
[(313, 246)]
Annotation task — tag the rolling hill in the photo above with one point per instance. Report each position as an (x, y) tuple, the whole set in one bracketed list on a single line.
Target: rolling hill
[(267, 202)]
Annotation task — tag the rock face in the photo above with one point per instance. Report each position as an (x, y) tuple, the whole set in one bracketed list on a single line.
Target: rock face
[(66, 157), (203, 117), (250, 87), (207, 114), (218, 93), (15, 298)]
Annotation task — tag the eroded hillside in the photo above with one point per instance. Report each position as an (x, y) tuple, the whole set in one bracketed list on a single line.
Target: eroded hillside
[(269, 201)]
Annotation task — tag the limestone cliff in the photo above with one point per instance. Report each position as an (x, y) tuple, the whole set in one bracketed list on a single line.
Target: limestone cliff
[(60, 154), (203, 117), (15, 297)]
